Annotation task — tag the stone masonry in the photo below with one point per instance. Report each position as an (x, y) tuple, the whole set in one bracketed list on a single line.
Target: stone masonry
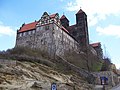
[(54, 35), (48, 35)]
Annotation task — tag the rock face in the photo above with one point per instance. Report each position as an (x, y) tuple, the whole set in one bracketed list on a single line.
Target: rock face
[(35, 76)]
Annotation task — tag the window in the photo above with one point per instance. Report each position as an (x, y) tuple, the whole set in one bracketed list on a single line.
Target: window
[(47, 27), (56, 27), (42, 22), (38, 28), (24, 33), (33, 31), (42, 42), (20, 35), (46, 21), (29, 32), (41, 28)]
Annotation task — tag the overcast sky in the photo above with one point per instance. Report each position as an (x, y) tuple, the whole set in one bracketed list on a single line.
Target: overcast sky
[(103, 20)]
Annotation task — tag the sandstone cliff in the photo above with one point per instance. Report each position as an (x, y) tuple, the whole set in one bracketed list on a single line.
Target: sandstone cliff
[(16, 75)]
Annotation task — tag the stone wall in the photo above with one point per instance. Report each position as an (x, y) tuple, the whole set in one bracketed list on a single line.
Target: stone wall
[(50, 38)]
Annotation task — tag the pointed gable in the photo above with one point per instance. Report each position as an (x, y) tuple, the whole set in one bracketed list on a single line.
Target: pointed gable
[(53, 15), (56, 15), (45, 14), (80, 11), (64, 17)]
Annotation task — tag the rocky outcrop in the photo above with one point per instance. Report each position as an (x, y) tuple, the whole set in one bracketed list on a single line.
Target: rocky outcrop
[(35, 76)]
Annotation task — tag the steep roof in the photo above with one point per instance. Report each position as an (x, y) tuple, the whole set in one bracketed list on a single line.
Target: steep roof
[(27, 27), (95, 44), (53, 15), (80, 11), (64, 17), (65, 29)]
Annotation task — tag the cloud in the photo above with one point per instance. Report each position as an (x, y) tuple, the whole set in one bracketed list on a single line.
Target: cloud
[(117, 65), (6, 30), (111, 30), (96, 9)]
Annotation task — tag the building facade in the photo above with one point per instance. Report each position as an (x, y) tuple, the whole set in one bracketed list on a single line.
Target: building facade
[(79, 30), (54, 35), (47, 34)]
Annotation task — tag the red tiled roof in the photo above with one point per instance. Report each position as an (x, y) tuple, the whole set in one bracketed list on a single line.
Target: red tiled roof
[(27, 27), (65, 29), (80, 11), (95, 44), (53, 15)]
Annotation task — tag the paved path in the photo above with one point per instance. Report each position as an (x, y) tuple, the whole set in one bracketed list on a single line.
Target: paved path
[(98, 87), (116, 87)]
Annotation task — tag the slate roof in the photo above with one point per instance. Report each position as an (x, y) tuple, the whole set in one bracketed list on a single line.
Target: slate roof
[(64, 17), (80, 11)]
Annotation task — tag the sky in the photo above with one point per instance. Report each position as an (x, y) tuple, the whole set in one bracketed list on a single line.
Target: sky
[(103, 20)]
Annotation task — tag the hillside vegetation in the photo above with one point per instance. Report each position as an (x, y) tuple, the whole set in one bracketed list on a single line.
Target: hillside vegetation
[(32, 69)]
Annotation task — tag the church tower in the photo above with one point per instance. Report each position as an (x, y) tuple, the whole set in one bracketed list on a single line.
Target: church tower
[(82, 28), (64, 21)]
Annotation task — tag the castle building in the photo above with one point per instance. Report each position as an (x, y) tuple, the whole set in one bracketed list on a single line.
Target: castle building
[(54, 34), (79, 30)]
